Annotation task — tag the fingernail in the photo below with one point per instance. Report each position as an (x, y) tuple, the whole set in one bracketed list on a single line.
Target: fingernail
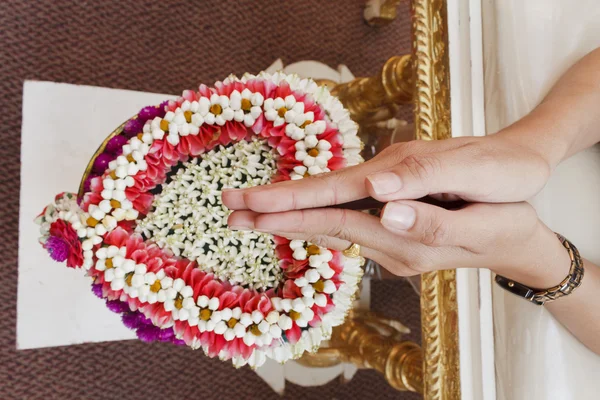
[(239, 228), (385, 183), (398, 216)]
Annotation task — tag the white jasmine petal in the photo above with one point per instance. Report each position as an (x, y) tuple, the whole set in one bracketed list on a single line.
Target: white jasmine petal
[(257, 316), (202, 301), (329, 287), (213, 303), (239, 330), (263, 326), (220, 327), (275, 331), (298, 305), (246, 319), (226, 314), (249, 339)]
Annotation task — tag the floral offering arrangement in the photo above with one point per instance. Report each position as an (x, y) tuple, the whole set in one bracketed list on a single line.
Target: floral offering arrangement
[(149, 227)]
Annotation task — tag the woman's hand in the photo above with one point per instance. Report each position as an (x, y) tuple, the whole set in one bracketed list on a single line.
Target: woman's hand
[(487, 169), (414, 237)]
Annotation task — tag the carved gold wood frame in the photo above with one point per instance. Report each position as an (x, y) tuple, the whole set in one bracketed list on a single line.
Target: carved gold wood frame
[(439, 312)]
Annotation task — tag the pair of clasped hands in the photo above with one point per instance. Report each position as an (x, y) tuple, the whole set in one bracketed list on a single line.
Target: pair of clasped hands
[(495, 229), (493, 177)]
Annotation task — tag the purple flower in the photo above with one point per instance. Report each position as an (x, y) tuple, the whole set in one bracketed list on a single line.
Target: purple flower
[(166, 335), (132, 320), (148, 113), (148, 333), (58, 248), (117, 306), (115, 145), (101, 163), (162, 108), (133, 127), (177, 342), (87, 185), (97, 290)]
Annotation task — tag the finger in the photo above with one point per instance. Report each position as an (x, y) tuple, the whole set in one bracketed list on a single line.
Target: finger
[(328, 189), (244, 220), (241, 220), (403, 256), (419, 175), (473, 228), (352, 226), (316, 191)]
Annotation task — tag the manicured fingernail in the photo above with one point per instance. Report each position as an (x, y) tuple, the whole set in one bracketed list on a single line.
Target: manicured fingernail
[(239, 228), (385, 183), (398, 216)]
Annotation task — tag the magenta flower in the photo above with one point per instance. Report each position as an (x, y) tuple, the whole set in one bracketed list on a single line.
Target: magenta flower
[(63, 244), (101, 163), (115, 145), (133, 127)]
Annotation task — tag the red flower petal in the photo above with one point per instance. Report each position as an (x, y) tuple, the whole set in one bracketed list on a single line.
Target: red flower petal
[(293, 334)]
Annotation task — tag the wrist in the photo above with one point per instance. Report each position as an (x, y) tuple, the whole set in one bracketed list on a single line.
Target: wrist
[(540, 262), (545, 132)]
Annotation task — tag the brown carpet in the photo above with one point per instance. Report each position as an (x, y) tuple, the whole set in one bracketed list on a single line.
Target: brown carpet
[(152, 46)]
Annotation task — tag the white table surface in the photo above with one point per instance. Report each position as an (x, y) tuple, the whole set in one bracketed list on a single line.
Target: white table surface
[(62, 126)]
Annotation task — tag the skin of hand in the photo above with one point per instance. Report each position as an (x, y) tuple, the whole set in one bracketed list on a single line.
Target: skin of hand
[(508, 167), (496, 173)]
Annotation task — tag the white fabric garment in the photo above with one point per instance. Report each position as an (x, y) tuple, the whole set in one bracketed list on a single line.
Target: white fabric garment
[(528, 45)]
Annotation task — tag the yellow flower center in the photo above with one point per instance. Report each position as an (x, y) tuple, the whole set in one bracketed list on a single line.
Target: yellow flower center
[(113, 174), (294, 315), (179, 301), (164, 125), (91, 222), (313, 250), (305, 124), (156, 286), (281, 112), (319, 285), (254, 330), (205, 314), (246, 105), (128, 278), (232, 322), (313, 152), (216, 109), (115, 203), (130, 158), (188, 116), (108, 263)]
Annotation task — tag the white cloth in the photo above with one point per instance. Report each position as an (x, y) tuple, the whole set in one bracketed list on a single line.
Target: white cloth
[(528, 45), (62, 126)]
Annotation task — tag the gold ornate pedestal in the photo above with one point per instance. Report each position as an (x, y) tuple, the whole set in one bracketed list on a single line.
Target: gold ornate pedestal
[(374, 99), (371, 341)]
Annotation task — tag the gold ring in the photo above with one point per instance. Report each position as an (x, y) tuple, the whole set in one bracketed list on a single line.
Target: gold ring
[(353, 251)]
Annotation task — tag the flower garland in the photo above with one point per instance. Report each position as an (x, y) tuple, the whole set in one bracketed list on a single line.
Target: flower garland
[(151, 229)]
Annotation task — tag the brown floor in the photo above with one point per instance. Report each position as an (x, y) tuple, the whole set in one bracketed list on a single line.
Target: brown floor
[(152, 46)]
